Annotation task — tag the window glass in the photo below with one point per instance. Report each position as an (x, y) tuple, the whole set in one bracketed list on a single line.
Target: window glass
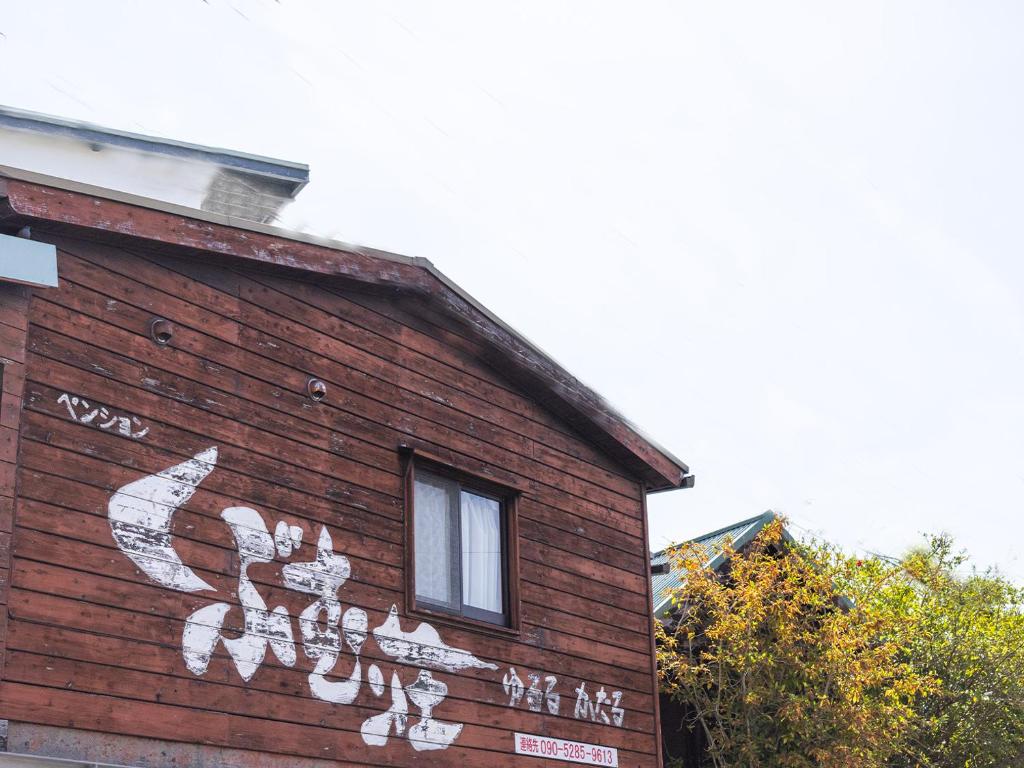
[(434, 534), (481, 552), (459, 538)]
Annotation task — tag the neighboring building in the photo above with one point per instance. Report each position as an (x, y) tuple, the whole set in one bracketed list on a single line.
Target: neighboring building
[(269, 501), (233, 184), (664, 578), (678, 740)]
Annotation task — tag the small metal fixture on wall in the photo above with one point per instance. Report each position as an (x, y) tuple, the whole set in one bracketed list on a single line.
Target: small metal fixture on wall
[(317, 389), (161, 331)]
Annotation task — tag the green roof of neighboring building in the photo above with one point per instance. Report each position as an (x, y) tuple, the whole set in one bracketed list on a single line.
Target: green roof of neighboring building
[(739, 534)]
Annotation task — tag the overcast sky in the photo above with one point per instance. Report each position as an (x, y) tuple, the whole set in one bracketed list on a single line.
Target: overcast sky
[(784, 238)]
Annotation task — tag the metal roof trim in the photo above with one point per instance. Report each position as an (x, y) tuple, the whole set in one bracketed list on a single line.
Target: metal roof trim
[(751, 527), (712, 534), (36, 122)]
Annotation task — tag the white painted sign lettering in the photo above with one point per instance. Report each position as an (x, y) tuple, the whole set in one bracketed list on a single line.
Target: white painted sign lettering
[(565, 749), (140, 515), (79, 410), (585, 709)]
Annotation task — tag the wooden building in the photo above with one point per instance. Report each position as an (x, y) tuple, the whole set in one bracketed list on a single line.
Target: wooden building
[(269, 501)]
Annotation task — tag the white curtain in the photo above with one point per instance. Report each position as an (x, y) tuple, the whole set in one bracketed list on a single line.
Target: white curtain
[(433, 535), (481, 552)]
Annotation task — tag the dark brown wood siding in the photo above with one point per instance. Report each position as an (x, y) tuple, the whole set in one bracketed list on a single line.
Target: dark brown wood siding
[(13, 331), (93, 642)]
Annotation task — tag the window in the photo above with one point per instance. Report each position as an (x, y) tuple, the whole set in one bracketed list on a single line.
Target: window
[(460, 545)]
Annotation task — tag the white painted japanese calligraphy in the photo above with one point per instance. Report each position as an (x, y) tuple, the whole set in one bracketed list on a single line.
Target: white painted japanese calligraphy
[(375, 730), (140, 515), (140, 518), (426, 693), (423, 647), (534, 697), (585, 709), (203, 628), (592, 710), (513, 686), (101, 417)]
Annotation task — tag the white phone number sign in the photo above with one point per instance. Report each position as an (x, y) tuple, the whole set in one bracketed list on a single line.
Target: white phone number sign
[(563, 749)]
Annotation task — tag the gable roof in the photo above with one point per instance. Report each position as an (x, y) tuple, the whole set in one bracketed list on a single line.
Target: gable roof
[(711, 547), (58, 205)]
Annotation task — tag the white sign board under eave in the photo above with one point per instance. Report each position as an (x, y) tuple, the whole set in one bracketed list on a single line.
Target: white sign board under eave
[(27, 262)]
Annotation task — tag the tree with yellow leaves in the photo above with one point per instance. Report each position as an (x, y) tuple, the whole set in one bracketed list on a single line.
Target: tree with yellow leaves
[(780, 668), (968, 638)]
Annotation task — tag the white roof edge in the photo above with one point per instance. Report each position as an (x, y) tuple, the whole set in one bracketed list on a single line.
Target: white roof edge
[(26, 120)]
